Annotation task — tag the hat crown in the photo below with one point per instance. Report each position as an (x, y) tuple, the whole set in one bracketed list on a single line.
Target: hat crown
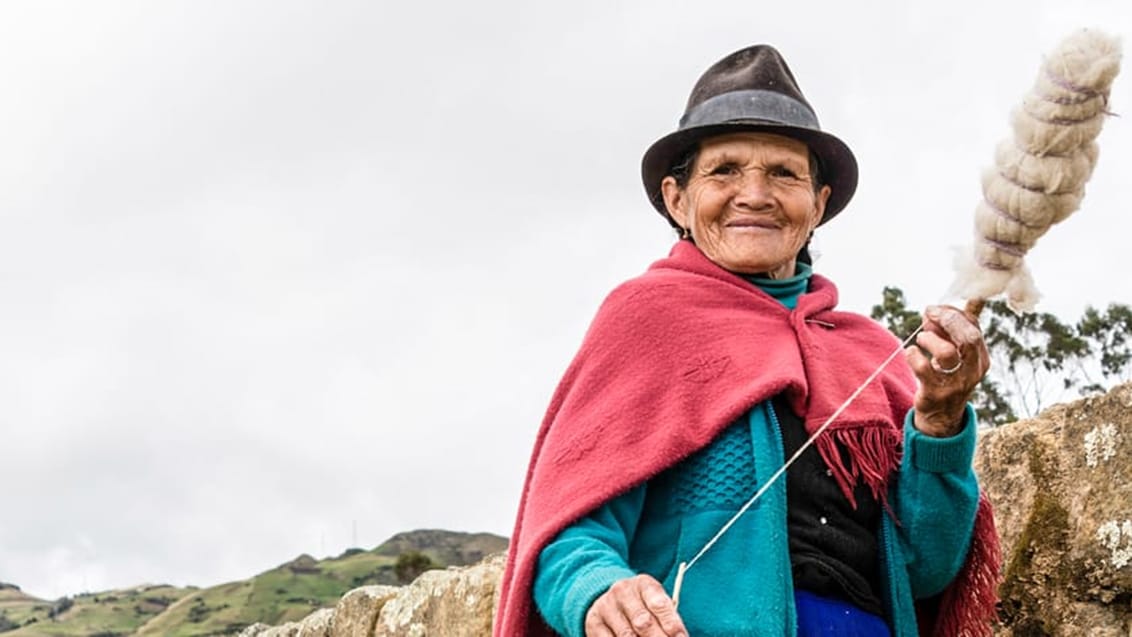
[(758, 67)]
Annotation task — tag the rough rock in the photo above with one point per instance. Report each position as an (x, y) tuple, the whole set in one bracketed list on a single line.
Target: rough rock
[(456, 602), (317, 624), (1061, 484), (357, 611)]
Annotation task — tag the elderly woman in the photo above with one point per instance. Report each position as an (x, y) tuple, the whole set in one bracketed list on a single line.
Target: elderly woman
[(700, 377)]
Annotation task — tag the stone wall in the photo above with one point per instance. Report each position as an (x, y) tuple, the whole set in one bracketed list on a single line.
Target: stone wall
[(455, 602), (1062, 489)]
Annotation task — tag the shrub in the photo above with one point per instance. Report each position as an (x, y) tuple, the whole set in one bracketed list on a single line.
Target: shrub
[(62, 605), (411, 564)]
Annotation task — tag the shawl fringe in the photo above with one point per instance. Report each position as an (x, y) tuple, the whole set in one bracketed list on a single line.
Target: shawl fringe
[(867, 455), (969, 606)]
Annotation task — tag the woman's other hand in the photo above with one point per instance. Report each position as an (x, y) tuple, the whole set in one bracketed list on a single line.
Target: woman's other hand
[(949, 358), (634, 606)]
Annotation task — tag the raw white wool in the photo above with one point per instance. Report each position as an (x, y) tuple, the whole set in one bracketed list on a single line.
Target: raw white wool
[(1021, 293), (1041, 138), (1050, 173), (1093, 151), (1055, 89), (1086, 58), (976, 281), (993, 258), (1041, 107), (998, 227), (1029, 207), (973, 280)]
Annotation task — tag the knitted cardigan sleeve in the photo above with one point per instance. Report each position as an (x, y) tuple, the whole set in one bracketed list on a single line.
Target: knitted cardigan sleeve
[(937, 496), (584, 560)]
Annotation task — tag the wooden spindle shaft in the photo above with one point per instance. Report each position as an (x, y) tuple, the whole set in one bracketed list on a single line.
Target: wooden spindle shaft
[(975, 307)]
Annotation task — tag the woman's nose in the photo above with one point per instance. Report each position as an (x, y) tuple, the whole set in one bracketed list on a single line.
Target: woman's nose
[(753, 189)]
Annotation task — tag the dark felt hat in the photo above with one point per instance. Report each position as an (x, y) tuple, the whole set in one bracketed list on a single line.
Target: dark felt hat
[(751, 90)]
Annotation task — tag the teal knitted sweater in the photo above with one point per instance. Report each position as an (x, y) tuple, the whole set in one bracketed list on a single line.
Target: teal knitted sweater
[(743, 585)]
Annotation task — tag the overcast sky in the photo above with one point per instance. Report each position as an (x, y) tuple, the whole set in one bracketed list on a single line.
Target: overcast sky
[(273, 271)]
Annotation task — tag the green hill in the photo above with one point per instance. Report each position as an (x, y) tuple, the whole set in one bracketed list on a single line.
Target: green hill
[(105, 614), (286, 593), (16, 607)]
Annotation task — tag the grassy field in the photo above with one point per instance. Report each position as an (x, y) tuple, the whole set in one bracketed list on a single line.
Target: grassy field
[(17, 607), (104, 614), (288, 592)]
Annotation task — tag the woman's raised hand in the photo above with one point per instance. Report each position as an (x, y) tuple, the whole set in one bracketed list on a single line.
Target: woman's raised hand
[(949, 358)]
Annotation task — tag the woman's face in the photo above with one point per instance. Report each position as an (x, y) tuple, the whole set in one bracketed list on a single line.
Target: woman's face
[(749, 202)]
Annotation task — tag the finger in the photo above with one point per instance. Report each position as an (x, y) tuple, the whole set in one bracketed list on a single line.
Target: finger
[(935, 386), (604, 619), (919, 362), (984, 361), (663, 608), (944, 354), (964, 334), (619, 625), (598, 629), (631, 601), (602, 616), (952, 322)]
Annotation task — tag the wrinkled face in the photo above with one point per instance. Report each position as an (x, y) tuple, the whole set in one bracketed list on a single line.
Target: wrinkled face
[(749, 202)]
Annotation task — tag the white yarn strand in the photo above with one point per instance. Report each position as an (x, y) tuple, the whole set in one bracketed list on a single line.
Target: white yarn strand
[(684, 567)]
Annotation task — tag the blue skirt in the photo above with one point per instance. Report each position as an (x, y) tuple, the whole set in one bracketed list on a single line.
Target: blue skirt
[(825, 617)]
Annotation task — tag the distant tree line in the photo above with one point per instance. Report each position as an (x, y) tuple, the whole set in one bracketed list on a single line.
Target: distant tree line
[(1036, 359)]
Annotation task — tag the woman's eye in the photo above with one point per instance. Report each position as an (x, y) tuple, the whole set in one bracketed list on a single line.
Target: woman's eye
[(782, 171), (725, 169)]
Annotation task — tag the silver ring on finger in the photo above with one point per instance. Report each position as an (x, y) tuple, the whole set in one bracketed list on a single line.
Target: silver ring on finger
[(949, 370)]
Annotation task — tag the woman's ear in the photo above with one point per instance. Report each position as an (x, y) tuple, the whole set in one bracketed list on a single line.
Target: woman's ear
[(820, 199), (674, 200)]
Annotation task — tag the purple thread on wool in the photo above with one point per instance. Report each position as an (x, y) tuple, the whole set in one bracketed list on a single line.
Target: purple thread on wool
[(1012, 249), (1034, 189), (1033, 153), (990, 265), (1061, 121), (1069, 86), (1067, 100), (1071, 101), (1005, 214)]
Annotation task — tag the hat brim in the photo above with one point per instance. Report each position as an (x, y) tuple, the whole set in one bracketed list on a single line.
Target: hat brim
[(838, 165)]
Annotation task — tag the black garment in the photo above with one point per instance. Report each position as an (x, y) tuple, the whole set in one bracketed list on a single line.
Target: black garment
[(833, 547)]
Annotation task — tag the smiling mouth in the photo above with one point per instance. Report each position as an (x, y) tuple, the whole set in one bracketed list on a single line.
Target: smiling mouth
[(752, 223)]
